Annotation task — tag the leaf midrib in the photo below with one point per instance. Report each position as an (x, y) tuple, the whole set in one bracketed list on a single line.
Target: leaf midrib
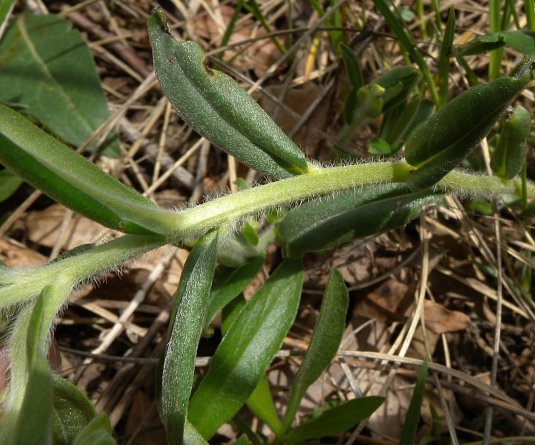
[(27, 40)]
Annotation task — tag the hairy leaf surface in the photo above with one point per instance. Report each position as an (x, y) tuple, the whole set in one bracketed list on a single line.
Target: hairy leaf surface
[(218, 109), (52, 167), (246, 350), (189, 313)]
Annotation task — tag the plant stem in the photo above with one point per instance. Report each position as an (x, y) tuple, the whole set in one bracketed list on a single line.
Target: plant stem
[(18, 286), (192, 223), (495, 56), (21, 285)]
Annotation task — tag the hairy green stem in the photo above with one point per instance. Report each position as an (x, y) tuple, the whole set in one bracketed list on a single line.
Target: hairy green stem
[(193, 222), (18, 286)]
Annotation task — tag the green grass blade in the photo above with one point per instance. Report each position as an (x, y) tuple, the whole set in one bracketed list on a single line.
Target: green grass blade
[(529, 10), (253, 8), (495, 57), (51, 166), (444, 57), (335, 420), (409, 44), (323, 344), (218, 109), (410, 426), (246, 350), (230, 27), (185, 332)]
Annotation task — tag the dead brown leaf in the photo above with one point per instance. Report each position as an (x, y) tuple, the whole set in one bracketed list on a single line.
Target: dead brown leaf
[(440, 320), (13, 254), (298, 100), (258, 56), (44, 227)]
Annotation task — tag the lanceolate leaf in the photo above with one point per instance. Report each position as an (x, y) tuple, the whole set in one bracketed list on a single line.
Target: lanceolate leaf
[(217, 108), (398, 83), (447, 137), (510, 152), (72, 411), (72, 180), (335, 420), (261, 405), (189, 314), (35, 417), (192, 436), (47, 68), (324, 343), (325, 223), (96, 432), (522, 41), (352, 66), (229, 283), (250, 344), (9, 183)]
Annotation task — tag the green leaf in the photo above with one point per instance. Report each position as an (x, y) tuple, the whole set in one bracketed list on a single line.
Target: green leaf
[(49, 165), (229, 283), (410, 426), (447, 137), (218, 109), (398, 83), (9, 183), (352, 66), (510, 152), (249, 234), (35, 417), (231, 311), (192, 436), (38, 328), (72, 411), (246, 350), (397, 122), (189, 315), (47, 68), (5, 7), (335, 420), (362, 104), (242, 440), (261, 405), (522, 41), (324, 343), (327, 222), (96, 432)]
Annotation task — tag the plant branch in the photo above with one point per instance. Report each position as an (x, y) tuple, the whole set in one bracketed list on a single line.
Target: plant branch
[(192, 223)]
